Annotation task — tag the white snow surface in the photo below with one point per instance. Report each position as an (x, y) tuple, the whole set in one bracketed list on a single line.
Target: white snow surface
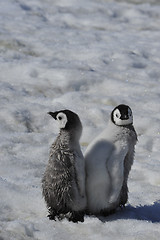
[(87, 56)]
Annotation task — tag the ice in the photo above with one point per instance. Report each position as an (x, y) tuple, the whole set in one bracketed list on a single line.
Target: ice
[(88, 56)]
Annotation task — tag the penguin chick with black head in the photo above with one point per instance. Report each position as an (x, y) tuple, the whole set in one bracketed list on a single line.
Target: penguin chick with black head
[(108, 159), (63, 182)]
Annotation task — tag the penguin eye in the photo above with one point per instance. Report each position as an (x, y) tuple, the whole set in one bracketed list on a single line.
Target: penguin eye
[(59, 118), (117, 113)]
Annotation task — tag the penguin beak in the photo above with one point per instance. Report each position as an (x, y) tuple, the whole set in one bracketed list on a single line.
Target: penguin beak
[(125, 117), (53, 114)]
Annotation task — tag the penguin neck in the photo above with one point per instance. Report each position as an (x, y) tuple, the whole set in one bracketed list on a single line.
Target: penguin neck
[(129, 126), (69, 138)]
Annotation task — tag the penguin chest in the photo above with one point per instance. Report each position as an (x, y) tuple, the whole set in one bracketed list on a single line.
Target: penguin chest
[(97, 187), (115, 167)]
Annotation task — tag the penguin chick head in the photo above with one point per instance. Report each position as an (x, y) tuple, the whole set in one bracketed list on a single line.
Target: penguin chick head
[(67, 120), (122, 115)]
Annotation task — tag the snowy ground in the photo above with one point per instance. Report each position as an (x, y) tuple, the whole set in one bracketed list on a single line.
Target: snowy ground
[(88, 56)]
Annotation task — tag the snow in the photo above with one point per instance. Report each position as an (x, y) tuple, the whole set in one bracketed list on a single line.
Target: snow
[(88, 56)]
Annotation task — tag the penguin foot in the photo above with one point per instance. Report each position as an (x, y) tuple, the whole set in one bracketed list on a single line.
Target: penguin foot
[(52, 214), (122, 206), (107, 212), (76, 217), (52, 217), (87, 212)]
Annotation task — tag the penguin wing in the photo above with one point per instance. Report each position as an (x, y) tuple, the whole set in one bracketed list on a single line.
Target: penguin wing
[(115, 166), (128, 161)]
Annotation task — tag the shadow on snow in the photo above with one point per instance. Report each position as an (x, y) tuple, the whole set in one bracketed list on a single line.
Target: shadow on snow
[(149, 213)]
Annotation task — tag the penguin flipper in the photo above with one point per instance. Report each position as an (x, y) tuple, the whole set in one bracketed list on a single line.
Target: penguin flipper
[(123, 196)]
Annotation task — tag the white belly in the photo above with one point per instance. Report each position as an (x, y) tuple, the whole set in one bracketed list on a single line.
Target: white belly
[(104, 168), (98, 188)]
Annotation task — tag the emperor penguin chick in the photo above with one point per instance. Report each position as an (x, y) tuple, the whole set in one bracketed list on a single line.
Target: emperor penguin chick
[(108, 160), (63, 182)]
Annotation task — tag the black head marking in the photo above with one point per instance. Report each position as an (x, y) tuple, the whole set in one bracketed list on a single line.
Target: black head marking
[(72, 119), (122, 115)]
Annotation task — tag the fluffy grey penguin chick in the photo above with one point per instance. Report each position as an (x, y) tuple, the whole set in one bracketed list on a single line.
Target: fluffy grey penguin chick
[(63, 182), (108, 159)]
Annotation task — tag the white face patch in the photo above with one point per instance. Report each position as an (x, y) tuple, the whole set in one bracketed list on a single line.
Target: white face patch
[(121, 122), (62, 119)]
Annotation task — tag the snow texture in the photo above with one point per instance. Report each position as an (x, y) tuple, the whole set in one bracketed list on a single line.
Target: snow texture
[(88, 56)]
